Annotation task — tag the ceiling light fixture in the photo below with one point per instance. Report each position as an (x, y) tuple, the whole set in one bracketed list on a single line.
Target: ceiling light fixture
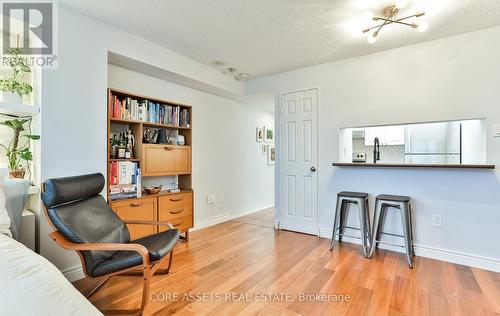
[(389, 16)]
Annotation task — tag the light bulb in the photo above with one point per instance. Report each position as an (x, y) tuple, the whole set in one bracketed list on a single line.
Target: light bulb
[(422, 27), (372, 38), (401, 4)]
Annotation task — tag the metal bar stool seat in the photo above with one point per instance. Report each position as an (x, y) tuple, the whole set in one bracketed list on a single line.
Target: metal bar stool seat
[(382, 203), (344, 199)]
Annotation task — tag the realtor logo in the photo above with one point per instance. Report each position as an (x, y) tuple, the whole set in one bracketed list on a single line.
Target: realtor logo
[(30, 28)]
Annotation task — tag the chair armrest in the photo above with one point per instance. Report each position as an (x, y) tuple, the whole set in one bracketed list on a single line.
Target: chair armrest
[(69, 245), (140, 222)]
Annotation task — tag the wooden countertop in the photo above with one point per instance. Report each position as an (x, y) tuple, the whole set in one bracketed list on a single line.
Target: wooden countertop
[(394, 165)]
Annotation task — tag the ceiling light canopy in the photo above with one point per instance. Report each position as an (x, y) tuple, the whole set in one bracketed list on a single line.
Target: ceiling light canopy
[(390, 16)]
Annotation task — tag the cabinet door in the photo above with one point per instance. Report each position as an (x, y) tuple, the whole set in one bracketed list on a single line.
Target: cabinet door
[(138, 209), (175, 206), (164, 160), (394, 135), (372, 132)]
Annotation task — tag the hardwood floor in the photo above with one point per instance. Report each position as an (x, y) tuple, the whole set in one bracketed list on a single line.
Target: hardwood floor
[(251, 261), (263, 218)]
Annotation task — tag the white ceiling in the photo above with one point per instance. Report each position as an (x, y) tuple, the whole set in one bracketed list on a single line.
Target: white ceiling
[(268, 36)]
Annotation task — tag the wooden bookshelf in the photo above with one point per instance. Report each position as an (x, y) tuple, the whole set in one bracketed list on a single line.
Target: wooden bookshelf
[(154, 160)]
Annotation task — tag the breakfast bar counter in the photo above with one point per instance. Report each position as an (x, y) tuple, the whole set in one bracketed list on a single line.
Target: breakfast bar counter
[(394, 165)]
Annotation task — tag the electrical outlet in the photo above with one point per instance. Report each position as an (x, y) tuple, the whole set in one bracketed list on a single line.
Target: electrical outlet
[(211, 199), (437, 220)]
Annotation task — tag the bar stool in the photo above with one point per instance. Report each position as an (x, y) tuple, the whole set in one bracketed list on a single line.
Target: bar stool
[(344, 199), (382, 203)]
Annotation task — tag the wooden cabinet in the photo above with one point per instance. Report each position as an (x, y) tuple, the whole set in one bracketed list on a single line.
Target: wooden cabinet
[(152, 160), (165, 160), (176, 209), (138, 209)]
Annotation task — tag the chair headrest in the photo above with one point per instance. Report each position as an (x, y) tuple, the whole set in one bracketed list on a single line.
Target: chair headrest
[(70, 189)]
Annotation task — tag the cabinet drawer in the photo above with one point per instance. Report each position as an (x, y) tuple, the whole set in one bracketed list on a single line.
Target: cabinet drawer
[(163, 160), (140, 209), (182, 223), (176, 206)]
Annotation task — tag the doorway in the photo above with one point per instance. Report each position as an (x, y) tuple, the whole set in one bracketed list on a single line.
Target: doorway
[(299, 160)]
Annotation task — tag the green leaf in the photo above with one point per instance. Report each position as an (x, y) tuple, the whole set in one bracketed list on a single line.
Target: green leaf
[(26, 155), (33, 137)]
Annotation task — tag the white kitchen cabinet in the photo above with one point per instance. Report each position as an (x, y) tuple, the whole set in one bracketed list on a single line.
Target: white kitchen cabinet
[(387, 135), (394, 135), (371, 133)]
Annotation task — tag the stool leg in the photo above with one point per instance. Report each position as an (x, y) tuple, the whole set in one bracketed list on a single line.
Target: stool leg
[(376, 219), (368, 225), (343, 218), (411, 229), (383, 214), (336, 221), (404, 218), (362, 223)]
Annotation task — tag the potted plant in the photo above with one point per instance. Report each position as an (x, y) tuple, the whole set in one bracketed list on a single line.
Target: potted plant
[(18, 155), (15, 87)]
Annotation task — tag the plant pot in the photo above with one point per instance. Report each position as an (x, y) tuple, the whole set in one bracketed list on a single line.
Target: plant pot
[(11, 97), (18, 174)]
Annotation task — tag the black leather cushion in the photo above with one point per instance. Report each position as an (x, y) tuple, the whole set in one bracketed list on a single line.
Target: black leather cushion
[(90, 221), (394, 198), (360, 195), (158, 246), (69, 189)]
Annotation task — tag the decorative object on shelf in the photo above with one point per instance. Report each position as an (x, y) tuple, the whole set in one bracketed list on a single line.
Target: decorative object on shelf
[(19, 155), (153, 190), (129, 151), (113, 149), (269, 135), (271, 155), (390, 16), (15, 87), (164, 137), (181, 140), (149, 136), (264, 148), (175, 186), (259, 134), (120, 146)]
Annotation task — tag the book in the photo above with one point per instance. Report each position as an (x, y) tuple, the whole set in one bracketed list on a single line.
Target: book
[(125, 180), (127, 108)]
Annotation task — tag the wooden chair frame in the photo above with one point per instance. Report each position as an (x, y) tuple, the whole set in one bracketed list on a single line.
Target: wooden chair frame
[(148, 269)]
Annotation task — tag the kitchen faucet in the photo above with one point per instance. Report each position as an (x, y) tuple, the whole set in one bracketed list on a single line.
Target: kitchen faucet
[(376, 150)]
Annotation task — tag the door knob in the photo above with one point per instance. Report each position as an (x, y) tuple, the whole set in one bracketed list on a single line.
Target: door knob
[(313, 169)]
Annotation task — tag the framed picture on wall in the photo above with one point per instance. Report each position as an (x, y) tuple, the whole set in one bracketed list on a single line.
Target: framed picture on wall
[(269, 135), (271, 155), (264, 148), (259, 134)]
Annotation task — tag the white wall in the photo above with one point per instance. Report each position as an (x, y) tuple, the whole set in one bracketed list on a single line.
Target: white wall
[(73, 118), (227, 161), (451, 78)]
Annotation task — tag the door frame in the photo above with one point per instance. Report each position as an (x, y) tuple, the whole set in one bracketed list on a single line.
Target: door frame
[(279, 194)]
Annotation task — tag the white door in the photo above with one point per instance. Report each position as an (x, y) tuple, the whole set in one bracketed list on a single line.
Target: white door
[(299, 150)]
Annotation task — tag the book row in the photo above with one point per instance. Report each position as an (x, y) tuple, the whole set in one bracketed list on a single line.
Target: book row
[(127, 108)]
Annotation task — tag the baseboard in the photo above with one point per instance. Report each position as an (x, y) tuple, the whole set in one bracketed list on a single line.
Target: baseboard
[(475, 261), (212, 221), (74, 273)]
